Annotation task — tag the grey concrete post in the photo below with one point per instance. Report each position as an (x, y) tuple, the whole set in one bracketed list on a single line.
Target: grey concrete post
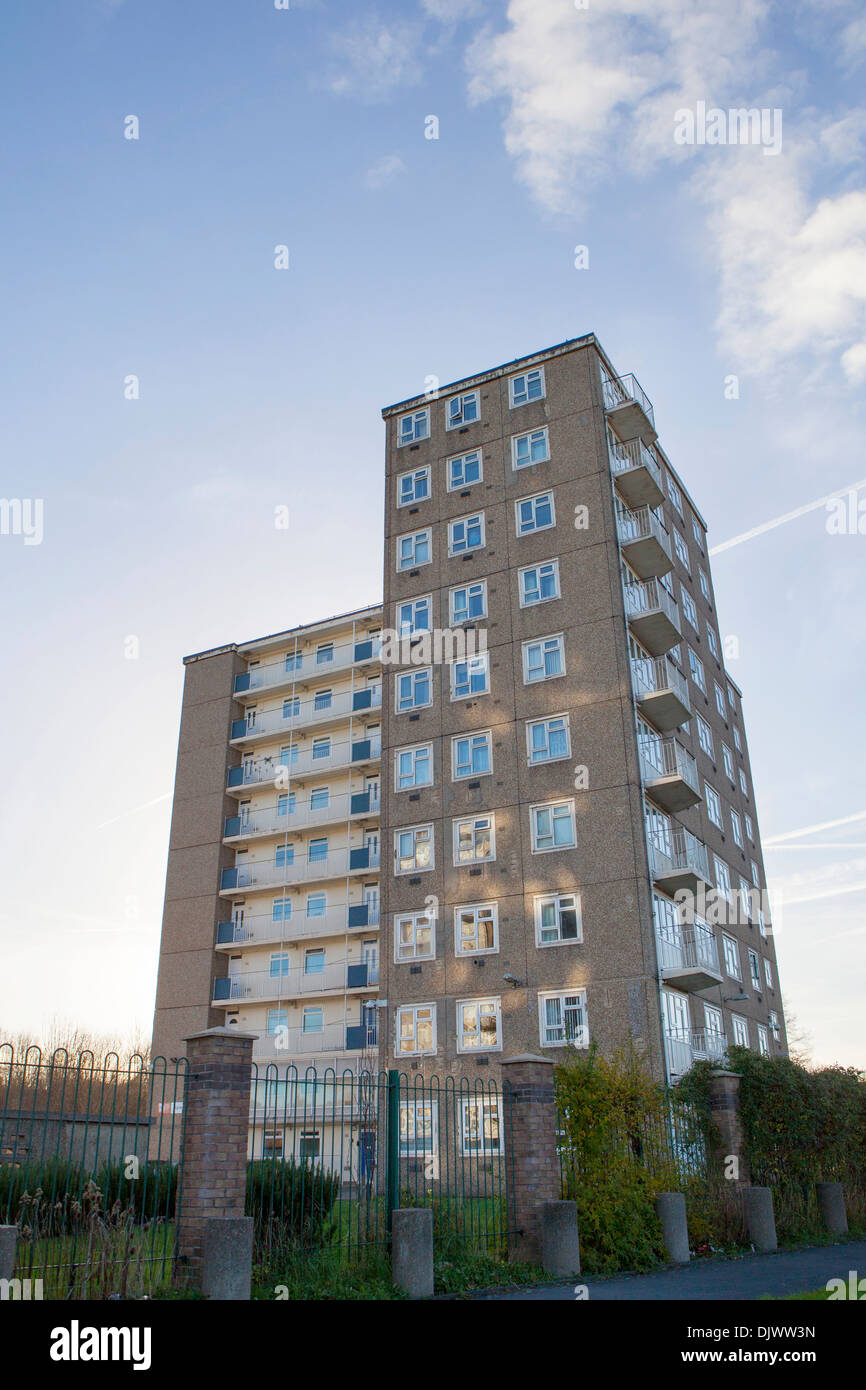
[(671, 1210), (412, 1251), (227, 1257), (8, 1237), (560, 1242), (760, 1220), (831, 1200)]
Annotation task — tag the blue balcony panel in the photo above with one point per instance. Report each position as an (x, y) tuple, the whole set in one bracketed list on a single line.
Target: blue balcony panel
[(225, 933), (236, 776), (359, 858), (360, 1035), (222, 988), (359, 915), (360, 802), (229, 878), (363, 650), (356, 976), (360, 750), (242, 682), (239, 728), (232, 826)]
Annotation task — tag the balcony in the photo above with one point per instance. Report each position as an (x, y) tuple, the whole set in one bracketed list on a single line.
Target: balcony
[(652, 615), (686, 1046), (294, 983), (260, 929), (628, 408), (688, 956), (273, 873), (646, 545), (669, 772), (334, 1040), (296, 816), (304, 761), (297, 714), (661, 692), (679, 860), (636, 472), (301, 668)]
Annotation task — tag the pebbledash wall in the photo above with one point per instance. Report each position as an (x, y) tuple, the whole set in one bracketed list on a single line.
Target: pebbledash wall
[(539, 807)]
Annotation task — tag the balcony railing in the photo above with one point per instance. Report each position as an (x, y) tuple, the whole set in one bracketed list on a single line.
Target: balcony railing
[(277, 820), (294, 983), (688, 947), (652, 613), (273, 873), (686, 1046), (304, 760), (645, 541), (666, 757), (678, 854), (261, 928), (653, 675), (619, 391), (307, 666), (334, 1038), (296, 714)]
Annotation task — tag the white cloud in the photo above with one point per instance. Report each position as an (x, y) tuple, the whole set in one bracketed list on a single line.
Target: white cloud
[(375, 58), (384, 171)]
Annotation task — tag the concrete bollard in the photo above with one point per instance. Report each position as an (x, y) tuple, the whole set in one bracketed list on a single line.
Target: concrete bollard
[(560, 1240), (831, 1201), (8, 1237), (671, 1211), (227, 1257), (412, 1250), (760, 1220)]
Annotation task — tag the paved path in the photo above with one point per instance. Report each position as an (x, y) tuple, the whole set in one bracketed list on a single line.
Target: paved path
[(794, 1271)]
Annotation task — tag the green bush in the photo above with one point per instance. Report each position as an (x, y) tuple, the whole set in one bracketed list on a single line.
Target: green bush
[(290, 1201)]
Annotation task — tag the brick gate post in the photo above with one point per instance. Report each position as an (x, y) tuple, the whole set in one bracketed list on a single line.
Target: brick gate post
[(532, 1176), (727, 1141)]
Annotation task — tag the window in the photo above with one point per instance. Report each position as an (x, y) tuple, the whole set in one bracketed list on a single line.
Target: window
[(696, 667), (530, 448), (281, 910), (318, 850), (314, 962), (720, 700), (471, 755), (479, 1026), (534, 513), (470, 677), (324, 653), (768, 973), (468, 602), (705, 585), (756, 878), (474, 840), (414, 936), (413, 767), (713, 1024), (313, 1019), (745, 901), (413, 487), (557, 919), (728, 762), (413, 549), (675, 495), (317, 904), (750, 829), (291, 707), (538, 583), (411, 428), (744, 786), (529, 386), (464, 470), (288, 756), (476, 929), (309, 1144), (697, 532), (552, 826), (688, 605), (419, 1127), (682, 551), (414, 616), (738, 742), (286, 802), (732, 698), (466, 533), (321, 748), (705, 738), (722, 876), (463, 410), (294, 661), (741, 1030), (543, 659), (714, 805), (731, 953), (736, 830), (416, 1029), (278, 965), (562, 1019), (413, 849), (481, 1126), (278, 1021), (775, 1027), (763, 1041), (320, 798), (754, 970), (284, 855), (547, 740), (323, 699), (712, 642), (414, 689)]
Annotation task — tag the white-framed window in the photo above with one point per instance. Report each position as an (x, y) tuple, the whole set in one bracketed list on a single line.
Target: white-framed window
[(722, 877), (705, 584), (278, 964), (413, 849), (466, 533), (732, 698), (323, 698), (714, 1023), (324, 653), (463, 410), (474, 839), (705, 738), (479, 1025), (316, 905), (464, 469), (682, 552), (557, 919), (745, 893), (712, 641), (471, 755), (553, 826), (763, 1041), (413, 487), (768, 972), (543, 658), (736, 830), (731, 953), (277, 1021), (481, 1126), (414, 689), (698, 533), (675, 495), (413, 427), (744, 786), (754, 970), (320, 798), (529, 448), (476, 929), (470, 677), (414, 936), (720, 700), (415, 615), (775, 1026), (714, 804), (688, 605), (419, 1128), (696, 669), (313, 1019), (562, 1018), (756, 877), (539, 583), (467, 602), (762, 923), (536, 513), (738, 742), (740, 1028), (414, 549), (548, 740), (413, 766), (750, 829), (728, 762), (416, 1030), (526, 387), (321, 747)]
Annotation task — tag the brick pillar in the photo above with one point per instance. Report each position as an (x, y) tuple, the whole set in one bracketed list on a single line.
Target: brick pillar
[(531, 1162), (213, 1181), (726, 1138)]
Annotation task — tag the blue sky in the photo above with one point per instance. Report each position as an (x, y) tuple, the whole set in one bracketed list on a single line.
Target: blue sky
[(409, 257)]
